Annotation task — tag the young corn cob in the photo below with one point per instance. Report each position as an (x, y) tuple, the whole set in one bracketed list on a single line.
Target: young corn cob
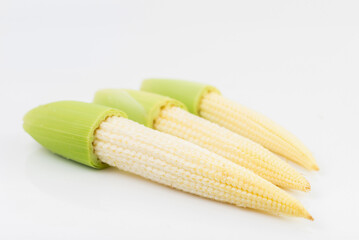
[(169, 116), (240, 150), (171, 161), (207, 102), (96, 135), (255, 126)]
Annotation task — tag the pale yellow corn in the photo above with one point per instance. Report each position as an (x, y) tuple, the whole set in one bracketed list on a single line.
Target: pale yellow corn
[(255, 126), (180, 164), (238, 149)]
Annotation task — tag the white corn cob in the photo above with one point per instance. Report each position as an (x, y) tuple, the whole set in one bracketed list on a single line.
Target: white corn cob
[(238, 149), (180, 164), (256, 127)]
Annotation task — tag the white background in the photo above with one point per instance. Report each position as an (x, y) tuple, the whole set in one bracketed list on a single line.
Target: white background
[(295, 61)]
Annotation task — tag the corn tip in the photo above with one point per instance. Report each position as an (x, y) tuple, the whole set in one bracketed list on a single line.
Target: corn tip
[(307, 188), (310, 217), (305, 214), (314, 167)]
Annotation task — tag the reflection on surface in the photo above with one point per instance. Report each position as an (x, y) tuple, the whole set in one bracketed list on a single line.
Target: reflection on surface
[(77, 184), (74, 183), (64, 179)]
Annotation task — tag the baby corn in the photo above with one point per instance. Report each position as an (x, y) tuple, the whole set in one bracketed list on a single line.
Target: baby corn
[(255, 126), (240, 150), (170, 116), (207, 102), (180, 164)]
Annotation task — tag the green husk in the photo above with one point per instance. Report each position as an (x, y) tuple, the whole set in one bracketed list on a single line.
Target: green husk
[(189, 93), (142, 107), (67, 128)]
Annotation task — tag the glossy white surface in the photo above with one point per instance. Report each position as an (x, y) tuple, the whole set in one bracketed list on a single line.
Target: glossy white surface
[(295, 61)]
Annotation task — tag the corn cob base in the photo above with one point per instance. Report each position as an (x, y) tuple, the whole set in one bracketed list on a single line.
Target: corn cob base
[(240, 150), (169, 160), (256, 127)]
